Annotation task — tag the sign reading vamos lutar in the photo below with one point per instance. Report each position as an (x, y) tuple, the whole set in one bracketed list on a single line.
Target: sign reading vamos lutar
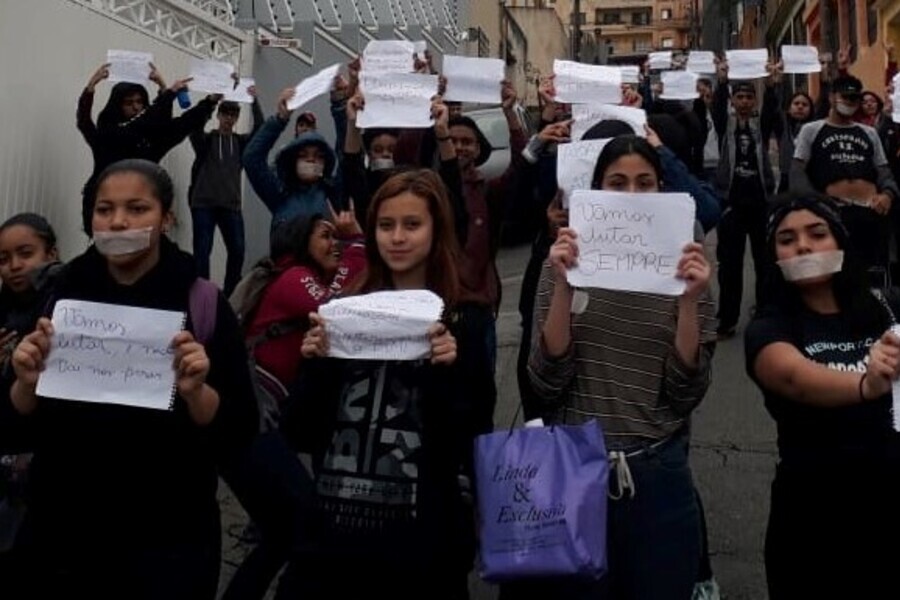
[(542, 501)]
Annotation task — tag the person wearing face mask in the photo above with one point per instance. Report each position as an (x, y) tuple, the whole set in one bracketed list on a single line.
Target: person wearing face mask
[(298, 185), (823, 356), (846, 160), (124, 497), (744, 180), (380, 145)]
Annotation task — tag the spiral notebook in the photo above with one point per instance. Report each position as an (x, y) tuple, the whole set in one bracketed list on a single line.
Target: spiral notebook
[(112, 354)]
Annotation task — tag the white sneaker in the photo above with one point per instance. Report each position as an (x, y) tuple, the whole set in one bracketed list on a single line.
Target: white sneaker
[(706, 590)]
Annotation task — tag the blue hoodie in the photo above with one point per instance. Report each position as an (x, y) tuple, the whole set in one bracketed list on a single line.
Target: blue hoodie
[(279, 188)]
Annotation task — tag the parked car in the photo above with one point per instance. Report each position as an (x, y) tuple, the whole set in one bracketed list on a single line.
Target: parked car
[(521, 221)]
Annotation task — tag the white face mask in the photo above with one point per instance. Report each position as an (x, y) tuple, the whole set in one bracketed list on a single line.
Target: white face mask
[(380, 164), (116, 243), (309, 170), (810, 266), (845, 110)]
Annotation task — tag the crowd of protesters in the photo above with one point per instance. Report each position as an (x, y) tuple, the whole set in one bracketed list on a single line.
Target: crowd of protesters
[(118, 501)]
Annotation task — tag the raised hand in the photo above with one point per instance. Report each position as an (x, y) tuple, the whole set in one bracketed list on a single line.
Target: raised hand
[(99, 75), (443, 345), (315, 341)]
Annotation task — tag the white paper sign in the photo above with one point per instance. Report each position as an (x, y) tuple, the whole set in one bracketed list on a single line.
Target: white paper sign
[(128, 65), (382, 325), (702, 62), (309, 88), (241, 93), (630, 73), (679, 85), (396, 100), (575, 163), (660, 60), (630, 242), (211, 76), (473, 79), (577, 83), (388, 56), (800, 59), (111, 354), (747, 64), (586, 116)]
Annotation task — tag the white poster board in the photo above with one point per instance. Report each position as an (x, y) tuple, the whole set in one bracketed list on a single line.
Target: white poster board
[(630, 73), (397, 100), (577, 83), (129, 65), (111, 354), (679, 85), (313, 86), (702, 62), (211, 76), (800, 59), (660, 61), (382, 325), (575, 164), (242, 92), (388, 56), (586, 116), (747, 64), (630, 242), (472, 79)]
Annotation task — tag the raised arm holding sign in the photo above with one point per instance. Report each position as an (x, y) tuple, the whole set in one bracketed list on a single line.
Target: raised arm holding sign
[(396, 100)]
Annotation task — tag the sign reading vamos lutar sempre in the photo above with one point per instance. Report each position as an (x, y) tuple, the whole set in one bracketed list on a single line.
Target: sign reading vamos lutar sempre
[(542, 501)]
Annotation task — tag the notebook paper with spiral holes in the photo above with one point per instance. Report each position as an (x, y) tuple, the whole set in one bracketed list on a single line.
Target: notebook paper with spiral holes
[(111, 354)]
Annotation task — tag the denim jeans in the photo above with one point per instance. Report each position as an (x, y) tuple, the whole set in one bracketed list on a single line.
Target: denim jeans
[(653, 538), (276, 491), (231, 225)]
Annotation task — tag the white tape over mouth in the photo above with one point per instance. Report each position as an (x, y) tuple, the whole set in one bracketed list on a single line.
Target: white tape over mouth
[(117, 243), (810, 266)]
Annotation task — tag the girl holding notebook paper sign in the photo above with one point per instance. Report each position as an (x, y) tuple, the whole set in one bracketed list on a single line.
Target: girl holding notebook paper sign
[(639, 363), (392, 440), (123, 497)]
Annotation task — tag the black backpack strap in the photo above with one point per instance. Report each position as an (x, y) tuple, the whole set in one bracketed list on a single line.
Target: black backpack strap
[(275, 330)]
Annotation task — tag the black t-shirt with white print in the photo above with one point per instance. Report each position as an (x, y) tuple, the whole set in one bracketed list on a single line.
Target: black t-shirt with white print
[(836, 153), (818, 435), (745, 185)]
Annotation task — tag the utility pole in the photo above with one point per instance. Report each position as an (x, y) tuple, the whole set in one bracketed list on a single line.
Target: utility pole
[(576, 31)]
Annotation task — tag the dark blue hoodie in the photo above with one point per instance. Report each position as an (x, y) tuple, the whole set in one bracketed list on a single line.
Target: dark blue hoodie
[(279, 188)]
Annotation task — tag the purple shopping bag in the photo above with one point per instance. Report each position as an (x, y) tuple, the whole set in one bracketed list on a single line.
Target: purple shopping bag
[(542, 501)]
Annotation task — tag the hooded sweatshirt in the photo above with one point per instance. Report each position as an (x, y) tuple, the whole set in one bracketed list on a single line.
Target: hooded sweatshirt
[(216, 174), (279, 188)]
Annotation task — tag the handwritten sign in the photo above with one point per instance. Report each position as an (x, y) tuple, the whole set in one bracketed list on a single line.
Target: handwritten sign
[(630, 242), (679, 85), (660, 61), (129, 65), (575, 163), (388, 56), (397, 100), (242, 92), (473, 79), (588, 115), (630, 73), (211, 76), (800, 59), (577, 83), (382, 325), (316, 85), (702, 62), (111, 354), (747, 64)]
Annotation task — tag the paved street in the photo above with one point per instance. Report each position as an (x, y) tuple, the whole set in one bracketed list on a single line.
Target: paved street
[(733, 455)]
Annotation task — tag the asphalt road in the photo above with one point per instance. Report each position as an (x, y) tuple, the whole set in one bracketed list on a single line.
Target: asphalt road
[(733, 453)]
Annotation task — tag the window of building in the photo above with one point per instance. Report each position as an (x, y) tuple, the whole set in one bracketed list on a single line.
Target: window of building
[(667, 42), (612, 18), (665, 14), (640, 18)]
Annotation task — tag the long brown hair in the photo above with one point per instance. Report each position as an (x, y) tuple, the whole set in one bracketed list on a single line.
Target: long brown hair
[(441, 275)]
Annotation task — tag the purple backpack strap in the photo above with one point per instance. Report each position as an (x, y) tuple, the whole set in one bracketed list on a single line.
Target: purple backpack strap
[(202, 303)]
